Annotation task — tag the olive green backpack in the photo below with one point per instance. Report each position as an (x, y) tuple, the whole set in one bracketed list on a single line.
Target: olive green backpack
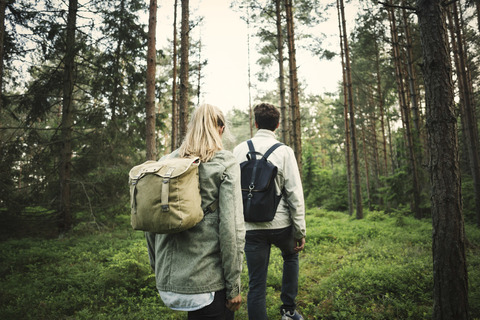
[(165, 195)]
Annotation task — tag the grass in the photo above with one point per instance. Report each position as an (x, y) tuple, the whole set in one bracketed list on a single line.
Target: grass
[(376, 268)]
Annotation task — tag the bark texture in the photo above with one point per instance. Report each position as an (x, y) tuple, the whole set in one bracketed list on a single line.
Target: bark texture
[(449, 262), (174, 142), (184, 67), (150, 99), (351, 114), (65, 164), (281, 71), (294, 101), (3, 6)]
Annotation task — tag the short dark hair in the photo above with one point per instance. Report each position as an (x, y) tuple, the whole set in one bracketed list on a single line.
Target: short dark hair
[(266, 116)]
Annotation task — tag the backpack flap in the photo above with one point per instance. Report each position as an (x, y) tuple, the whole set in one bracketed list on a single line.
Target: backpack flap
[(165, 195), (257, 177)]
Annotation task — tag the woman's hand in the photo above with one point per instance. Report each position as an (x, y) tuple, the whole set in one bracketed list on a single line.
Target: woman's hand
[(234, 304)]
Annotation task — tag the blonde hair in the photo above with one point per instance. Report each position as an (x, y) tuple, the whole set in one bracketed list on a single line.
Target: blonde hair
[(203, 137)]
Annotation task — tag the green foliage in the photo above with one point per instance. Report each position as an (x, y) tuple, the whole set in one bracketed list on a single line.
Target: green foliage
[(368, 269), (468, 198), (107, 109), (373, 268), (238, 128), (323, 187), (100, 276)]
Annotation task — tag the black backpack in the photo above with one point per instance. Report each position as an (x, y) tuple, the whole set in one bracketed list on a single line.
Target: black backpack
[(260, 200)]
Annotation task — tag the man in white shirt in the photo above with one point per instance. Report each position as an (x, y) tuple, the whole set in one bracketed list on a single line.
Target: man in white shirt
[(286, 231)]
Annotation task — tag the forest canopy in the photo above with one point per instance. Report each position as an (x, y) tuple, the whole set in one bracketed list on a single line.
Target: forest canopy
[(107, 126)]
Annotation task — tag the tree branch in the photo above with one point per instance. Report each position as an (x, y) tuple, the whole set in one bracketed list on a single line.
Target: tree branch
[(398, 7), (447, 3)]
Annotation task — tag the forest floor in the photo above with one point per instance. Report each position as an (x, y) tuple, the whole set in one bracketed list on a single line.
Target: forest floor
[(379, 267)]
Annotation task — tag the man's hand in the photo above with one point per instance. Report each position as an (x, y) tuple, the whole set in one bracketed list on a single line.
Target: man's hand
[(299, 245), (234, 304)]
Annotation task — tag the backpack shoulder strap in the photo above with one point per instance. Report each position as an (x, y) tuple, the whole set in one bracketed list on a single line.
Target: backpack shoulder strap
[(250, 145), (272, 148), (252, 154)]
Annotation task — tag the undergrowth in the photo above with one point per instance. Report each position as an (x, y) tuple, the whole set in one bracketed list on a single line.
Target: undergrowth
[(376, 268)]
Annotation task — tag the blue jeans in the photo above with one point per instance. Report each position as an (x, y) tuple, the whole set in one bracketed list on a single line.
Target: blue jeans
[(257, 252)]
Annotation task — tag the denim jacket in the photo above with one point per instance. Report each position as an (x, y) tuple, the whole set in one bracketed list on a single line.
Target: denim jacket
[(209, 256)]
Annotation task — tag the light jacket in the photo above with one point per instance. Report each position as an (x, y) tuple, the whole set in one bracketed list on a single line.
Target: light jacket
[(291, 210), (209, 256)]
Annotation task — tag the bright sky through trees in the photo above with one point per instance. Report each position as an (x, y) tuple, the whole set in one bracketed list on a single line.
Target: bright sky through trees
[(224, 38)]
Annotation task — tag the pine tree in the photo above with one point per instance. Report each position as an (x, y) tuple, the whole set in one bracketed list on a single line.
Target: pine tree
[(450, 276)]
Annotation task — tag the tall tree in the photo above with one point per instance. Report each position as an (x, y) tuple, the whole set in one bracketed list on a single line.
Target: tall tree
[(381, 107), (294, 102), (345, 116), (405, 110), (175, 110), (3, 6), (151, 66), (249, 74), (281, 73), (477, 8), (351, 113), (67, 118), (367, 168), (450, 276), (184, 68), (412, 77), (467, 104)]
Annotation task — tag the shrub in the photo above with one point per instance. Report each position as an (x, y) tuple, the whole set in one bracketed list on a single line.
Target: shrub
[(372, 268)]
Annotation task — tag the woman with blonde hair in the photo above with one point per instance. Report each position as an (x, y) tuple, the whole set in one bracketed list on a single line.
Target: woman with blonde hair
[(198, 270)]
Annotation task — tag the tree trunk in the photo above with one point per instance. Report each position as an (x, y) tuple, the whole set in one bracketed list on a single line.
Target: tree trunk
[(477, 7), (413, 90), (345, 116), (150, 99), (373, 125), (281, 73), (199, 75), (174, 142), (381, 108), (449, 263), (347, 150), (356, 174), (469, 118), (3, 6), (184, 68), (406, 114), (367, 169), (65, 164), (251, 123), (117, 73), (390, 147), (294, 102), (412, 79)]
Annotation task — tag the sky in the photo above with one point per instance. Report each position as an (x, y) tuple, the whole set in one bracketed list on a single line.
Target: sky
[(224, 39)]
